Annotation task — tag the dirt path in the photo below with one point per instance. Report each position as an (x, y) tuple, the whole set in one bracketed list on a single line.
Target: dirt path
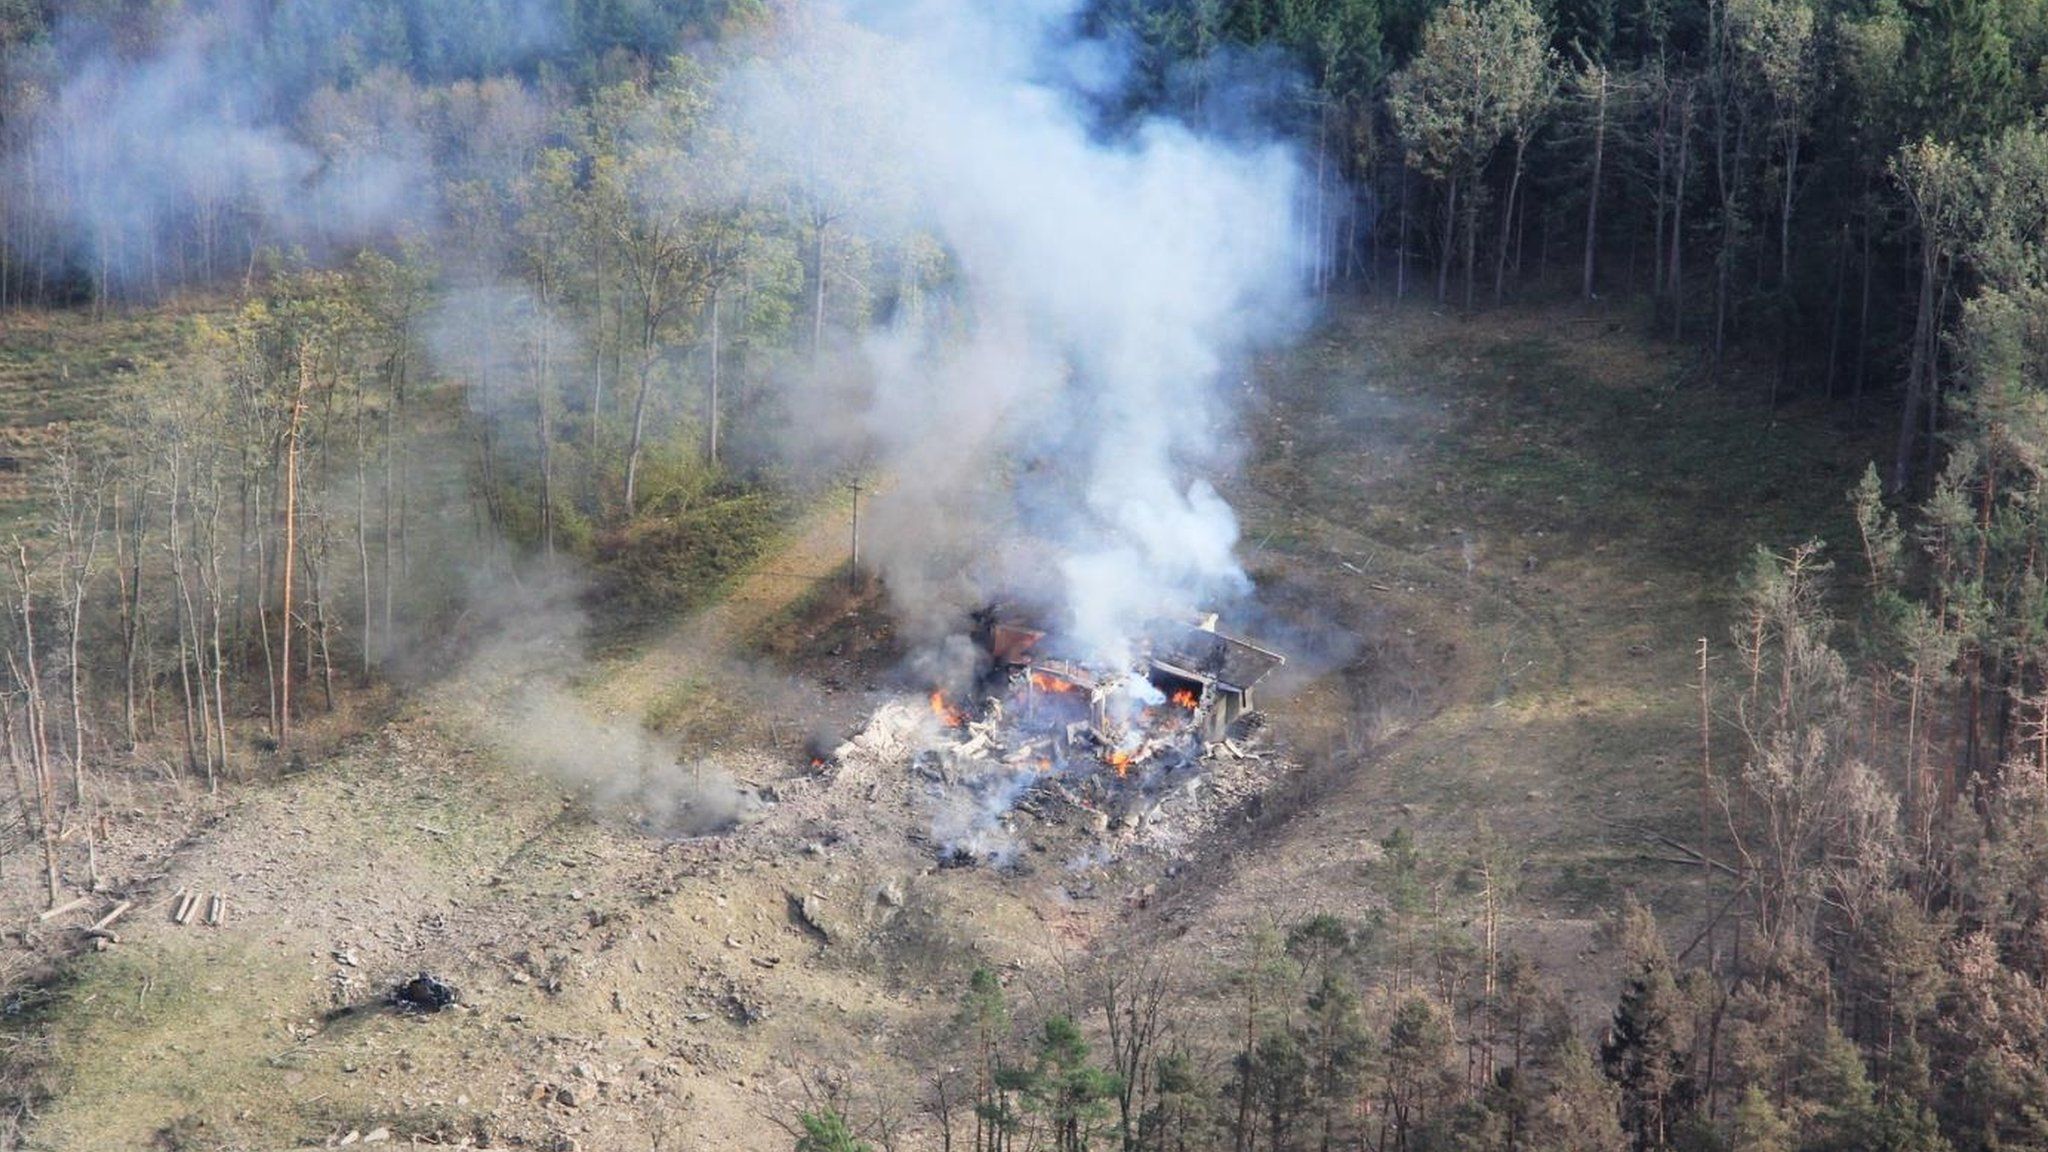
[(814, 549)]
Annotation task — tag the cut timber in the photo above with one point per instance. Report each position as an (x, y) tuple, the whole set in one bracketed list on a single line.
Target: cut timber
[(113, 914), (182, 912), (217, 909), (68, 906)]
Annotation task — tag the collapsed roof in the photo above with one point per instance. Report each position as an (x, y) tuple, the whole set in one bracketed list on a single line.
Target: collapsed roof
[(1193, 651)]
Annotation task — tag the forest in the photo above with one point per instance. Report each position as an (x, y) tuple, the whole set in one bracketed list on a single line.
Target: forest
[(476, 284)]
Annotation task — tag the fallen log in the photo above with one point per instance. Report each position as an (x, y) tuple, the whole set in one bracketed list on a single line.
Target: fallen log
[(113, 914), (217, 911), (68, 906), (182, 914)]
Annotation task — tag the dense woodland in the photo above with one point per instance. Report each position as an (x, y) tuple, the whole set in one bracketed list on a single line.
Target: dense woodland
[(515, 261)]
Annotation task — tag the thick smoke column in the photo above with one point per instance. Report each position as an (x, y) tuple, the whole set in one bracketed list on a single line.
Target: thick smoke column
[(1075, 387)]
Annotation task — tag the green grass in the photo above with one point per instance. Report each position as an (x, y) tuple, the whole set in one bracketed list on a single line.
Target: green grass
[(64, 374), (1555, 509)]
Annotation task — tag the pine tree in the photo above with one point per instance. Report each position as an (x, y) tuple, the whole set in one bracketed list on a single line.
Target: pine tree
[(1643, 1051)]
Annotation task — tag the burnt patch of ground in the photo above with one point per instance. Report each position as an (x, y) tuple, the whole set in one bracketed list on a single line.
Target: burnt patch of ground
[(839, 633)]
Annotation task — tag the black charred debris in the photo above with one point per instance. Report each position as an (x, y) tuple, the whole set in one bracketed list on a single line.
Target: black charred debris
[(425, 993)]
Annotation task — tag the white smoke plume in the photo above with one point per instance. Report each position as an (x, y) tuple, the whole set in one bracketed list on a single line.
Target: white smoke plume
[(1066, 407)]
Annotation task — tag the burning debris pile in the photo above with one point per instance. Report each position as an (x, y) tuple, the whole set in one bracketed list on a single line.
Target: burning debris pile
[(1118, 742)]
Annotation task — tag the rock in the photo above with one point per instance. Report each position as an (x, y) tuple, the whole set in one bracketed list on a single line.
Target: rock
[(808, 910), (890, 893), (377, 1135), (566, 1097)]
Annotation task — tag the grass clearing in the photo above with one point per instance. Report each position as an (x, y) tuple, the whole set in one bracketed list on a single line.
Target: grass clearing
[(1528, 519), (62, 373)]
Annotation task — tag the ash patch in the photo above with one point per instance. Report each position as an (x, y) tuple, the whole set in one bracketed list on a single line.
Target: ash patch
[(997, 790)]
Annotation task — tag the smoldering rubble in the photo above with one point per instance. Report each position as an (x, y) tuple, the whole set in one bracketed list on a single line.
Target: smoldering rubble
[(1143, 755)]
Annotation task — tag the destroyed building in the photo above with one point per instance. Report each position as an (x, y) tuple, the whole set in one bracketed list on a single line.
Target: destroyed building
[(1147, 749), (1189, 665)]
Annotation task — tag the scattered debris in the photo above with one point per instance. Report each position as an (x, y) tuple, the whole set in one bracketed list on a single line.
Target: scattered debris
[(425, 993)]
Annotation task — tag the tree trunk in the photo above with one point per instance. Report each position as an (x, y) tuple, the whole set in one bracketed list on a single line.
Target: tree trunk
[(34, 817), (263, 559), (1677, 279), (1835, 312), (1918, 360), (597, 352), (711, 400), (1471, 238), (216, 596), (1401, 242), (544, 431), (1593, 189), (1507, 216), (1862, 315), (1443, 264), (77, 685), (639, 412), (819, 224), (1663, 146), (1785, 212), (128, 571), (396, 399), (291, 543)]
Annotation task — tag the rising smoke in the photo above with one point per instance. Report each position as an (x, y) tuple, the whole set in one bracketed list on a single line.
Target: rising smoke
[(1053, 429), (1048, 403)]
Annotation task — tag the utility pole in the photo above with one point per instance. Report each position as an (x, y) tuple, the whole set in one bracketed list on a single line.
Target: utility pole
[(1706, 773)]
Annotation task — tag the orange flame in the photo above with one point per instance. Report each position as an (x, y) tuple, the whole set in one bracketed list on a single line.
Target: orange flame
[(1121, 761), (948, 714), (1187, 700), (1046, 682)]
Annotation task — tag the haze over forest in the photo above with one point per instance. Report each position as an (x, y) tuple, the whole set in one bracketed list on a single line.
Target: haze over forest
[(1076, 574)]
